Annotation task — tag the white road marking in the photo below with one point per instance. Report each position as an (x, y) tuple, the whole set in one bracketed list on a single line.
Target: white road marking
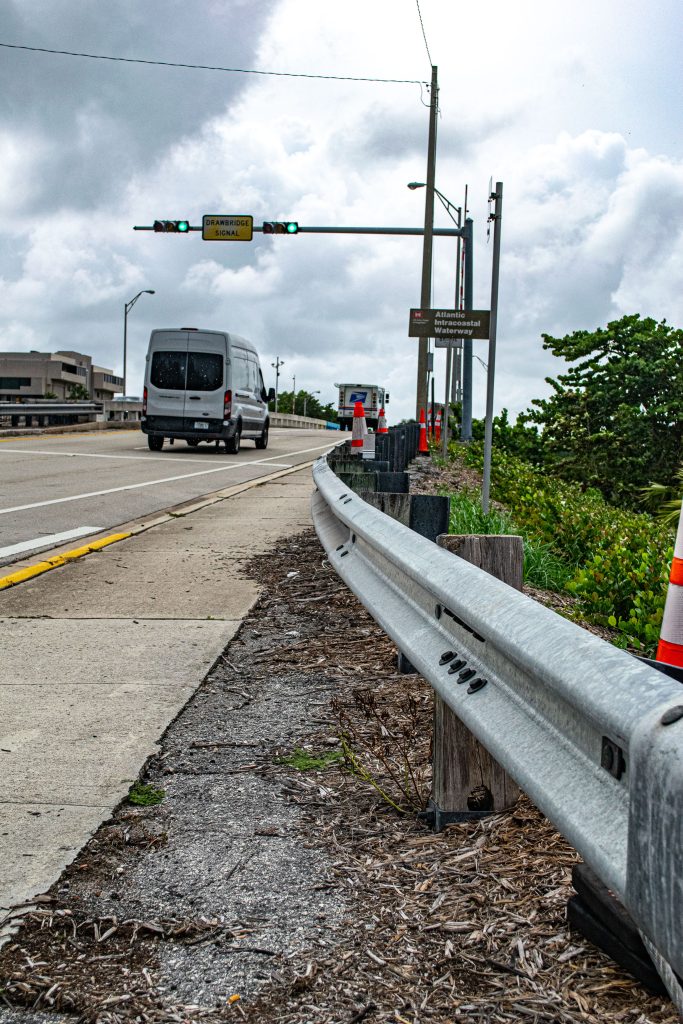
[(95, 455), (165, 480), (50, 539)]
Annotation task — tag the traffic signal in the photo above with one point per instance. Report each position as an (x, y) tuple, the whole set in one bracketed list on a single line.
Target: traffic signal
[(172, 226), (280, 227)]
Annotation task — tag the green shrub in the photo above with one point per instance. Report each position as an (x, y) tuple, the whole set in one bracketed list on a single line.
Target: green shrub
[(619, 560)]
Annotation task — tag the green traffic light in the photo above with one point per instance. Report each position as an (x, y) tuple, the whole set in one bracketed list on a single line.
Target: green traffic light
[(183, 225), (292, 227)]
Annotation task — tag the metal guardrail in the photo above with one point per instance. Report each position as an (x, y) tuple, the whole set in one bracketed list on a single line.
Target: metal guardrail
[(591, 734), (49, 408)]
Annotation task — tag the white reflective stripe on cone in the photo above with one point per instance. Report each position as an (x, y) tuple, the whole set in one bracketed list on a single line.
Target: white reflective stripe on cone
[(678, 546), (672, 622)]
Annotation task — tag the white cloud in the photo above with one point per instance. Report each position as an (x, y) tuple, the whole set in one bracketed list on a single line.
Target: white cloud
[(540, 96)]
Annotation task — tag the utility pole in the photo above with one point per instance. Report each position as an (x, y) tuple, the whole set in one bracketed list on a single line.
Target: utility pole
[(491, 371), (466, 424), (426, 292), (276, 366), (294, 396)]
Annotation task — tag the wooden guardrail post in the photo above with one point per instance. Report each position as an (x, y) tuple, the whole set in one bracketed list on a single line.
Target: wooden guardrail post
[(467, 781)]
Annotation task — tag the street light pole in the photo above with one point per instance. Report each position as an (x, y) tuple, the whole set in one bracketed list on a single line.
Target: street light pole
[(449, 207), (451, 352), (126, 310), (294, 396), (276, 366)]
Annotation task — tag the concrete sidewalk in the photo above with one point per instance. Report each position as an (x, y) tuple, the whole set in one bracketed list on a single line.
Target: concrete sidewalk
[(101, 654)]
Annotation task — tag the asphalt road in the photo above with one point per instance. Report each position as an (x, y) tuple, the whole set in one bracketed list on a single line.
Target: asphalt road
[(58, 488)]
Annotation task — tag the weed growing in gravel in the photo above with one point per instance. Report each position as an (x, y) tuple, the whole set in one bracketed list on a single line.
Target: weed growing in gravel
[(144, 795), (382, 751), (304, 761)]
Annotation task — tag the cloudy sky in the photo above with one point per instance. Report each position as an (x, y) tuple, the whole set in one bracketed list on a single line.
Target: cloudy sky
[(575, 107)]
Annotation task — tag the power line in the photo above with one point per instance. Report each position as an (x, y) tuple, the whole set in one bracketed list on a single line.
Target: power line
[(210, 67), (424, 34)]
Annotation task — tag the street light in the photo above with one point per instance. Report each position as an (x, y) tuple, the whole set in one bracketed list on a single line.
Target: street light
[(306, 394), (126, 310), (446, 203)]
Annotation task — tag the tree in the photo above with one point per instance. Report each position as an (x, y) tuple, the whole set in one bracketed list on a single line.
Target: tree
[(78, 393), (615, 420), (514, 438), (665, 501), (314, 410)]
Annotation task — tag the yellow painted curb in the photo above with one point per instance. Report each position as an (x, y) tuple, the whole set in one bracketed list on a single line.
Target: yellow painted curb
[(51, 563)]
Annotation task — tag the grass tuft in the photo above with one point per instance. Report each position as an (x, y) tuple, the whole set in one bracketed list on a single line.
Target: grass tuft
[(144, 795), (303, 761), (542, 567)]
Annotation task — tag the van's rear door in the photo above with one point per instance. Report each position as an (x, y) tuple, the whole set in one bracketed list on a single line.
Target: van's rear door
[(205, 380), (167, 375)]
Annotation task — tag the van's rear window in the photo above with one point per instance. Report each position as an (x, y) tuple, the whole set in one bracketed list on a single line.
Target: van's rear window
[(169, 370), (204, 371), (193, 371)]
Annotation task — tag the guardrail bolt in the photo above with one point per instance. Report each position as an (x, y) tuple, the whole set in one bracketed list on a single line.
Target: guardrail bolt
[(672, 715), (456, 666), (477, 684), (446, 657), (612, 758), (466, 675)]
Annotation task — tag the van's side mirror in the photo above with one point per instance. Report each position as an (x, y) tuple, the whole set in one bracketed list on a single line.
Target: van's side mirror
[(271, 395), (386, 399)]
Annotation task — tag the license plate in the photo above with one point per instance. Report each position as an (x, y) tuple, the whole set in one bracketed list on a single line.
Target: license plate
[(201, 425)]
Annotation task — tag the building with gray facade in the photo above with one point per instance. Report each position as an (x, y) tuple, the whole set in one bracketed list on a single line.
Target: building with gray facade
[(28, 375)]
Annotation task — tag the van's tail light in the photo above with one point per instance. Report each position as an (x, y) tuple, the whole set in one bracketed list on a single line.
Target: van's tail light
[(227, 405), (144, 402)]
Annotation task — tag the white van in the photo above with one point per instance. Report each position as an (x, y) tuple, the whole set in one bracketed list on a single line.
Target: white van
[(204, 386)]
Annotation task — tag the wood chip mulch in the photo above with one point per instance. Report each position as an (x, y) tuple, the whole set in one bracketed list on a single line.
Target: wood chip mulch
[(469, 924)]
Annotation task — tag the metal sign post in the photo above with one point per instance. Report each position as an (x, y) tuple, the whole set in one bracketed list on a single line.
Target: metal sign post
[(491, 372)]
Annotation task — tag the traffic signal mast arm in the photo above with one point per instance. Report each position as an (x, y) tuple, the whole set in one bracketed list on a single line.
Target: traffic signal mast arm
[(451, 232)]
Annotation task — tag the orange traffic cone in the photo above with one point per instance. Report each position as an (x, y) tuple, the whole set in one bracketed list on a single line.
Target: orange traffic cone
[(382, 423), (359, 426), (670, 648), (438, 426), (423, 447)]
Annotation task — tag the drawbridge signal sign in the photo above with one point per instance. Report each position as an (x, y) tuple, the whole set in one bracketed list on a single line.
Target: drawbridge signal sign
[(227, 228)]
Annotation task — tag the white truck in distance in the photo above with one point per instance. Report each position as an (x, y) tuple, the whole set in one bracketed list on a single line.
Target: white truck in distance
[(373, 398)]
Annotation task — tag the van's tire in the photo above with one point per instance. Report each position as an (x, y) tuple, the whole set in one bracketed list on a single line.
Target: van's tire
[(155, 442), (193, 444), (232, 444), (262, 441)]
